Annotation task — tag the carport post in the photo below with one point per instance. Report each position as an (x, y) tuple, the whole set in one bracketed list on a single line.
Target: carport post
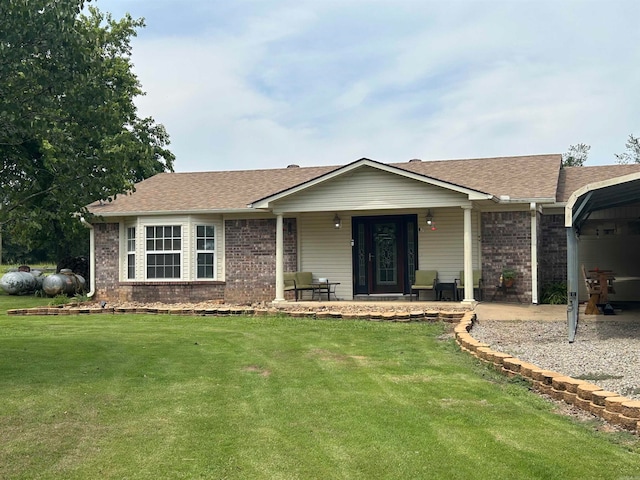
[(572, 283)]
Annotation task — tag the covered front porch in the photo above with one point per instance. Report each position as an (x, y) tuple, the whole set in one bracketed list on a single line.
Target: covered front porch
[(367, 228), (376, 255)]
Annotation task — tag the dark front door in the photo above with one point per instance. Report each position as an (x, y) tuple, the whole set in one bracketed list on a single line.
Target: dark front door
[(384, 253)]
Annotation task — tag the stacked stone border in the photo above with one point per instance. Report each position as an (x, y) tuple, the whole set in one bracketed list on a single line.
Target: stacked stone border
[(228, 310), (610, 406)]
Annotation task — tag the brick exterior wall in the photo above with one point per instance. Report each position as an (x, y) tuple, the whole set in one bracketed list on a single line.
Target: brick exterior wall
[(552, 250), (107, 251), (172, 292), (250, 247), (506, 242), (250, 258)]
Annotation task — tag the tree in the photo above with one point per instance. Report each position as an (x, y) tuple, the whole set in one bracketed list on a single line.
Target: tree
[(576, 155), (632, 155), (69, 129)]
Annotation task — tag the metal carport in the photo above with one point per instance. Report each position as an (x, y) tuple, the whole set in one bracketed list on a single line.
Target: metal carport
[(613, 192)]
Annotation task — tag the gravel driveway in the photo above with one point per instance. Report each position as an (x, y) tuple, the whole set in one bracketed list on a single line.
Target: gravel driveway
[(606, 350)]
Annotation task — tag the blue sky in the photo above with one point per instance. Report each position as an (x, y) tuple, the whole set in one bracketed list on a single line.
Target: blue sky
[(244, 84)]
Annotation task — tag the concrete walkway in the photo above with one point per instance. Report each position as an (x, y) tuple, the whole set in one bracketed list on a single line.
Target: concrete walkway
[(512, 311)]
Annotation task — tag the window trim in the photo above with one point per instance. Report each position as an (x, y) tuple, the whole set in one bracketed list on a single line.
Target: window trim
[(188, 253), (162, 251), (197, 251), (130, 241)]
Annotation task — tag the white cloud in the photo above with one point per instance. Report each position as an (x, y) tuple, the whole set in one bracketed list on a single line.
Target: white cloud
[(253, 84)]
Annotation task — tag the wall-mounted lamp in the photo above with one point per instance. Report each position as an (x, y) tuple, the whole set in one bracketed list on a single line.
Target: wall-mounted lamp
[(430, 222), (337, 222)]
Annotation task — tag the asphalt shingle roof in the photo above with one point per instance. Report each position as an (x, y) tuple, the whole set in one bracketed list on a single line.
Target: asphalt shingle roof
[(522, 177), (572, 178)]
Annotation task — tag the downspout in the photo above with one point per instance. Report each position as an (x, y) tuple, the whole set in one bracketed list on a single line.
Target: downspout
[(534, 253), (92, 258)]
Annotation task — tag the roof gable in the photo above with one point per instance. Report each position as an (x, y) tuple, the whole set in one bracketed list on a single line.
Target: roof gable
[(364, 163)]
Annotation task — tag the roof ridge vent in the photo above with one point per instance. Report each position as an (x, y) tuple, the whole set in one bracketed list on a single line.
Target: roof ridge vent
[(293, 165), (413, 160)]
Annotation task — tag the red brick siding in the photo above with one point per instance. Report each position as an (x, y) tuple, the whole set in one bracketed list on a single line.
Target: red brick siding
[(107, 253), (173, 292), (552, 251), (250, 258), (506, 242)]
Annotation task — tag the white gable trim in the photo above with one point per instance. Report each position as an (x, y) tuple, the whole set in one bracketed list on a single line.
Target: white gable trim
[(268, 201)]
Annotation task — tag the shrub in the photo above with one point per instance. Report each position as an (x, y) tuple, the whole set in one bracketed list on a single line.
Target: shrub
[(554, 293)]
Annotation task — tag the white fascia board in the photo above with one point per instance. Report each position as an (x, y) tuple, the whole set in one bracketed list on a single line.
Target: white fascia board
[(267, 201), (539, 200), (172, 212)]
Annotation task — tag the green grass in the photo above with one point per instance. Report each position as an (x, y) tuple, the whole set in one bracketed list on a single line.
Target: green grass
[(147, 397)]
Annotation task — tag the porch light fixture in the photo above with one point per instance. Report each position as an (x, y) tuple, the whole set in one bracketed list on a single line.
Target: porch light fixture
[(337, 222), (430, 222)]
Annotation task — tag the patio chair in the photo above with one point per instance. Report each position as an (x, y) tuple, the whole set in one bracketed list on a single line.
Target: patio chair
[(298, 282), (478, 284), (425, 280)]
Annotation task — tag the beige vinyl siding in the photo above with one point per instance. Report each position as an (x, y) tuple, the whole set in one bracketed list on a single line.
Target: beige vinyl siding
[(369, 189), (443, 249), (326, 251)]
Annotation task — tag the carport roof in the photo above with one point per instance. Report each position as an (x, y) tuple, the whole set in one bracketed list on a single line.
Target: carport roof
[(573, 178), (601, 194)]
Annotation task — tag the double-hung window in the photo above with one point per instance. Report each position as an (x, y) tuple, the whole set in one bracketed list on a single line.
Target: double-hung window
[(164, 251), (205, 251), (131, 253)]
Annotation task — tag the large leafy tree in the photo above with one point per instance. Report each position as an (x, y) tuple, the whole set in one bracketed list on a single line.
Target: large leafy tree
[(70, 133)]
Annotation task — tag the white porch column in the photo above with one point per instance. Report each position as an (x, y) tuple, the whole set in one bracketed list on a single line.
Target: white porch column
[(279, 259), (468, 256)]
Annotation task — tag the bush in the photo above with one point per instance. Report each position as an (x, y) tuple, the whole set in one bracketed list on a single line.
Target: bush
[(554, 294)]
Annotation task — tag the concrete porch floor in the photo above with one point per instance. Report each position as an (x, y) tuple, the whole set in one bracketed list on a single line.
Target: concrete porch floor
[(490, 311)]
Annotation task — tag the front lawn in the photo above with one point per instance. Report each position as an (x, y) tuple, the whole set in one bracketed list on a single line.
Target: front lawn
[(158, 396)]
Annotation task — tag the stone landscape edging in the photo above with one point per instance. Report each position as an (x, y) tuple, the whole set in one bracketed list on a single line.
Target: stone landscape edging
[(230, 310), (610, 406)]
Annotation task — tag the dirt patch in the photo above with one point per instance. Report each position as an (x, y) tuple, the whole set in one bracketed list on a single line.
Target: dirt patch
[(263, 372), (329, 356)]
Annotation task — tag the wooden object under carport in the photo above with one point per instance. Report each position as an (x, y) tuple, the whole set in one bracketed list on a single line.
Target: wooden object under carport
[(599, 285)]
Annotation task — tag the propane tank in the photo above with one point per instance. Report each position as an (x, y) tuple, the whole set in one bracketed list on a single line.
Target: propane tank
[(64, 283), (18, 283)]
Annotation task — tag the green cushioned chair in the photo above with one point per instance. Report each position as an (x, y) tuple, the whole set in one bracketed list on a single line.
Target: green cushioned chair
[(298, 282), (478, 284), (425, 280)]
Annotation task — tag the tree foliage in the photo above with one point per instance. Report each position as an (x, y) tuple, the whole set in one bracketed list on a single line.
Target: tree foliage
[(69, 129), (632, 155), (576, 155)]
